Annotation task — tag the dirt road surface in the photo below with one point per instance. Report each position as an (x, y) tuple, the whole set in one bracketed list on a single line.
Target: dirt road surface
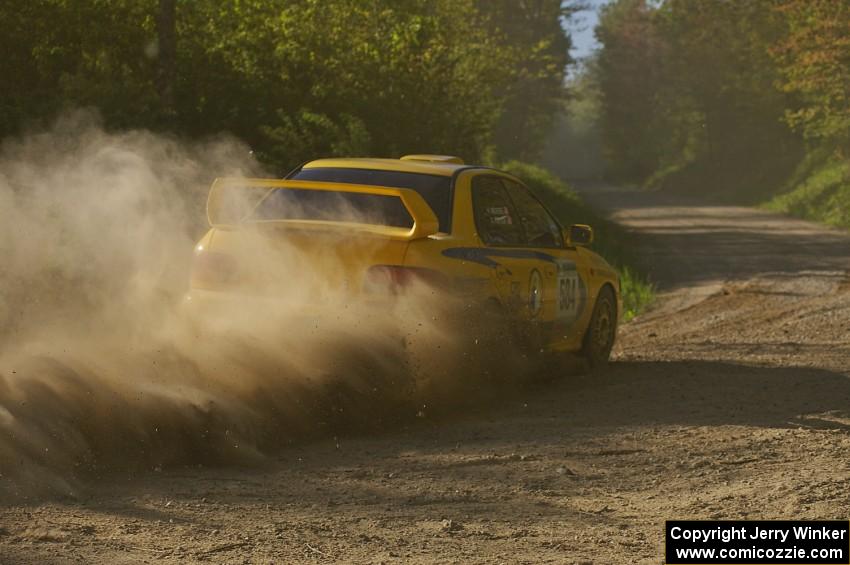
[(730, 399)]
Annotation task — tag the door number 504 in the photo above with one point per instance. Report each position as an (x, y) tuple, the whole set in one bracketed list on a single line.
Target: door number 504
[(567, 293)]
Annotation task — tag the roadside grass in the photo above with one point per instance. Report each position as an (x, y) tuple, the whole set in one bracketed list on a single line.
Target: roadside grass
[(610, 240), (819, 190)]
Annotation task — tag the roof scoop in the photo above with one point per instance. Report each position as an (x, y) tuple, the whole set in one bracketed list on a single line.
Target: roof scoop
[(434, 159)]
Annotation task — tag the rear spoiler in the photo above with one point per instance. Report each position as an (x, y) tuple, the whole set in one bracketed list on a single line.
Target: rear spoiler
[(232, 200)]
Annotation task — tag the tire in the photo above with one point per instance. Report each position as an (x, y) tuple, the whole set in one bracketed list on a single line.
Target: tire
[(601, 332)]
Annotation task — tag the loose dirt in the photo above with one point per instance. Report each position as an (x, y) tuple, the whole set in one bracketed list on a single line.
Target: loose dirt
[(729, 399)]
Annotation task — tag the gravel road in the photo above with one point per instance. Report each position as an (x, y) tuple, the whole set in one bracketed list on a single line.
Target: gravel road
[(729, 399)]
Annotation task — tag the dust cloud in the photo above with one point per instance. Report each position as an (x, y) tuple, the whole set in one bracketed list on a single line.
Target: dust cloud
[(101, 369)]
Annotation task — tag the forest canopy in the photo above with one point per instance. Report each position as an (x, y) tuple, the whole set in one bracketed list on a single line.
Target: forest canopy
[(296, 79), (723, 96)]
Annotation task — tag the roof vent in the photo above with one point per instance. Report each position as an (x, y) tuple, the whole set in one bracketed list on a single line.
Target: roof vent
[(434, 159)]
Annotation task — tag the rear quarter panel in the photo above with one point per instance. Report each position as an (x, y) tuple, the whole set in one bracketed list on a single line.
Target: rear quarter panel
[(445, 251)]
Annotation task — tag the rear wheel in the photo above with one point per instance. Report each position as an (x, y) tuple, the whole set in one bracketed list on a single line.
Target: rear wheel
[(599, 339)]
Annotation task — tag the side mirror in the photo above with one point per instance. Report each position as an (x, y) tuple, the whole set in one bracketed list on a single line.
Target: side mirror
[(578, 234)]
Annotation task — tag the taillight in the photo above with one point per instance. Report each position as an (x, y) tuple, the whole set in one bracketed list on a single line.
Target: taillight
[(395, 278), (212, 267)]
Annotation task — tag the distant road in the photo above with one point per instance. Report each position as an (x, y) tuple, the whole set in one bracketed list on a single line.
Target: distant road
[(685, 243)]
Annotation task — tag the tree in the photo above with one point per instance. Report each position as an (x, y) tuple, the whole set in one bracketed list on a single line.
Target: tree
[(534, 44), (167, 51), (296, 78), (689, 94), (629, 74), (814, 60)]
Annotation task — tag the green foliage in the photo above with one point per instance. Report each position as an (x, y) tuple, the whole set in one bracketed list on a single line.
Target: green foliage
[(736, 99), (535, 50), (690, 97), (297, 79), (814, 59), (64, 53), (638, 293), (819, 190), (302, 136), (610, 240), (574, 147), (544, 184), (628, 71)]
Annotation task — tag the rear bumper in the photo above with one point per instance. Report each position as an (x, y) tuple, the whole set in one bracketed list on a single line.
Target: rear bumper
[(220, 308), (198, 302)]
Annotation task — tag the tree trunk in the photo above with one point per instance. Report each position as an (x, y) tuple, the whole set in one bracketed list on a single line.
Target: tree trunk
[(167, 33)]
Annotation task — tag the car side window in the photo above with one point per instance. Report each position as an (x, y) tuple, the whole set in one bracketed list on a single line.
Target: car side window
[(541, 229), (495, 216)]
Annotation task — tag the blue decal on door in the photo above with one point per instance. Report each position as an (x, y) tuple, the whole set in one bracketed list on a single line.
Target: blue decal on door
[(484, 256)]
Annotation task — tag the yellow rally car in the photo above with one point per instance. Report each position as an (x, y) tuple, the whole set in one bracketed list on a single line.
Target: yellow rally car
[(471, 231)]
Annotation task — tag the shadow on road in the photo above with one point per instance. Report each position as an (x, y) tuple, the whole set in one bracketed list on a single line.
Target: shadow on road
[(698, 393), (520, 438)]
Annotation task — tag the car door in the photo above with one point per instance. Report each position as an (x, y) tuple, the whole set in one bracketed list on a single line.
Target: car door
[(564, 284), (504, 246)]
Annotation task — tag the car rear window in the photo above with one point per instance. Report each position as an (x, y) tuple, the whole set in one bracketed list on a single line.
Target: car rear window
[(326, 205), (435, 190)]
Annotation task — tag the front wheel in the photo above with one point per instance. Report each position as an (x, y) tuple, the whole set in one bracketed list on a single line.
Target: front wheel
[(599, 339)]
